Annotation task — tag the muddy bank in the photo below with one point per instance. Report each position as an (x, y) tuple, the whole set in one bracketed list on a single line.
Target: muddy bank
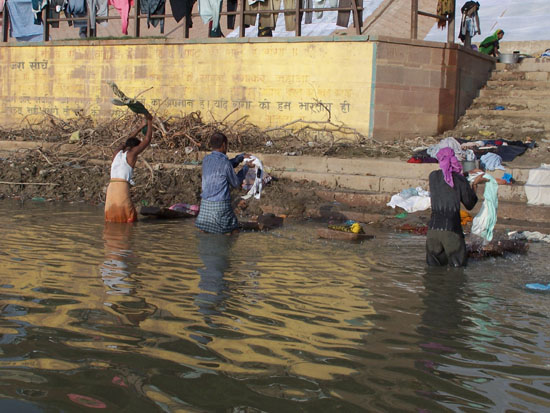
[(42, 177)]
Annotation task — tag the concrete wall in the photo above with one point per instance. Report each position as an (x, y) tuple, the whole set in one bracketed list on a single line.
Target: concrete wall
[(382, 87), (271, 82), (423, 87)]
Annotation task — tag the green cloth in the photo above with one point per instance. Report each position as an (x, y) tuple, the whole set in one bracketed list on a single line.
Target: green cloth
[(134, 105), (487, 46)]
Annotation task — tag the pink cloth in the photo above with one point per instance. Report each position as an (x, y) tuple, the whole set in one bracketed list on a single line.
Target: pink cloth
[(1, 5), (448, 164), (123, 8)]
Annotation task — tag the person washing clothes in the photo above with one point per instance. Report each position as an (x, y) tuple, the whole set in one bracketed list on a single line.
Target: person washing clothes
[(490, 44), (216, 214), (448, 188), (118, 203)]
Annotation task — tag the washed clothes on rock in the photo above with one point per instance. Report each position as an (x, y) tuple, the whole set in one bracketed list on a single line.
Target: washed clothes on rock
[(22, 25), (445, 239), (216, 214)]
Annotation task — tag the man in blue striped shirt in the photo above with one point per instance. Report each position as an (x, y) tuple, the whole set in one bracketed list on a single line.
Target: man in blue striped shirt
[(218, 176)]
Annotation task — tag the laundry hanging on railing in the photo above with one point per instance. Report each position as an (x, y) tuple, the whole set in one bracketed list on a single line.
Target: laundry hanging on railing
[(181, 9), (22, 25), (151, 8), (123, 8)]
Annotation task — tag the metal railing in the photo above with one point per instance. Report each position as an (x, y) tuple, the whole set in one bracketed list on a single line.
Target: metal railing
[(136, 15)]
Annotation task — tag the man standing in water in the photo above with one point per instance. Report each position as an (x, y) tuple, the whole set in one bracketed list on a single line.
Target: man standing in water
[(448, 188), (216, 213)]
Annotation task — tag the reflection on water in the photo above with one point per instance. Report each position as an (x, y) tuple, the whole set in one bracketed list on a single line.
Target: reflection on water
[(158, 317)]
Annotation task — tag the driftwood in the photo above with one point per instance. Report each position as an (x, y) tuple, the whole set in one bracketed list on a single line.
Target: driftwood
[(163, 213)]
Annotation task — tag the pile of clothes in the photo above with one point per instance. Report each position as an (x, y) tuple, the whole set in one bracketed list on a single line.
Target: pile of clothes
[(507, 150)]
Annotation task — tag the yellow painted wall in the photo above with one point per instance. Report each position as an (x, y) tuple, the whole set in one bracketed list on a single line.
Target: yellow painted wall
[(272, 83)]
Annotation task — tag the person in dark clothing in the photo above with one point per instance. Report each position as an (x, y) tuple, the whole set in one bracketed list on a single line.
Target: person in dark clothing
[(448, 188)]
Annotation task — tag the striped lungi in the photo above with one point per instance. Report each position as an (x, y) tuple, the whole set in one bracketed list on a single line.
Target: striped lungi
[(118, 204), (216, 217)]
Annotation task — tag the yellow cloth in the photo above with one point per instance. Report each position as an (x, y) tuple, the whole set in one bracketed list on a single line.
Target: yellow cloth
[(118, 204)]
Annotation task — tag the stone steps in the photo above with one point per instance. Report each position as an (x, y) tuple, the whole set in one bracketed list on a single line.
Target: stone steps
[(517, 85), (520, 76), (514, 103)]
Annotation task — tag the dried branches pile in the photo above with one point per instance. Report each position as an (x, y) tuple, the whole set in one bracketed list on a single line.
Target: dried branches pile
[(191, 133)]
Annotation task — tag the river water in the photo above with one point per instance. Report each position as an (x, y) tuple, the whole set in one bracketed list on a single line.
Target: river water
[(158, 317)]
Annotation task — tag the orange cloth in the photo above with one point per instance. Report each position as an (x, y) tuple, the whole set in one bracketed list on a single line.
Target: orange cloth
[(118, 204), (465, 217)]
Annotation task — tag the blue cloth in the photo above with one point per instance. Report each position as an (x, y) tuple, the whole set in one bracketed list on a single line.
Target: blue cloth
[(507, 177), (22, 25), (218, 176), (537, 286), (491, 161)]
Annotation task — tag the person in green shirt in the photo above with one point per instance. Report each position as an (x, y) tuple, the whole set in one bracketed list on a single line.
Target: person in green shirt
[(490, 44)]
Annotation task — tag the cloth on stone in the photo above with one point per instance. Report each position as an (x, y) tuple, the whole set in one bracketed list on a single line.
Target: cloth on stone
[(411, 201), (537, 187), (491, 161), (485, 220), (529, 236), (449, 142), (216, 217)]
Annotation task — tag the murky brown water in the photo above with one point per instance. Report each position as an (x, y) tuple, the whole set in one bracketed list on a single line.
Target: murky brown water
[(157, 317)]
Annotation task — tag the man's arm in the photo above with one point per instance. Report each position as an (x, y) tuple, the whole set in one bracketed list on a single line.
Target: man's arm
[(236, 179), (468, 196)]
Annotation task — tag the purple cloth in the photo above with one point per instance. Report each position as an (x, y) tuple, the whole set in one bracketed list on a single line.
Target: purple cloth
[(448, 164)]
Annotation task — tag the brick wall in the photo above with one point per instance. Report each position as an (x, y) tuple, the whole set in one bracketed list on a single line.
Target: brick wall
[(421, 88)]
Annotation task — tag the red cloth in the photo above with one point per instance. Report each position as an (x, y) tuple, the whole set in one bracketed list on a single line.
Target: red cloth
[(414, 160), (123, 8)]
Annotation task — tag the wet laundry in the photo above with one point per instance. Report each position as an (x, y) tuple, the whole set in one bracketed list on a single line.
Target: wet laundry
[(484, 222), (411, 200)]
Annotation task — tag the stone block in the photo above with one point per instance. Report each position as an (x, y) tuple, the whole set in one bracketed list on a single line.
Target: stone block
[(321, 178), (390, 74), (357, 182), (538, 76), (395, 185)]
